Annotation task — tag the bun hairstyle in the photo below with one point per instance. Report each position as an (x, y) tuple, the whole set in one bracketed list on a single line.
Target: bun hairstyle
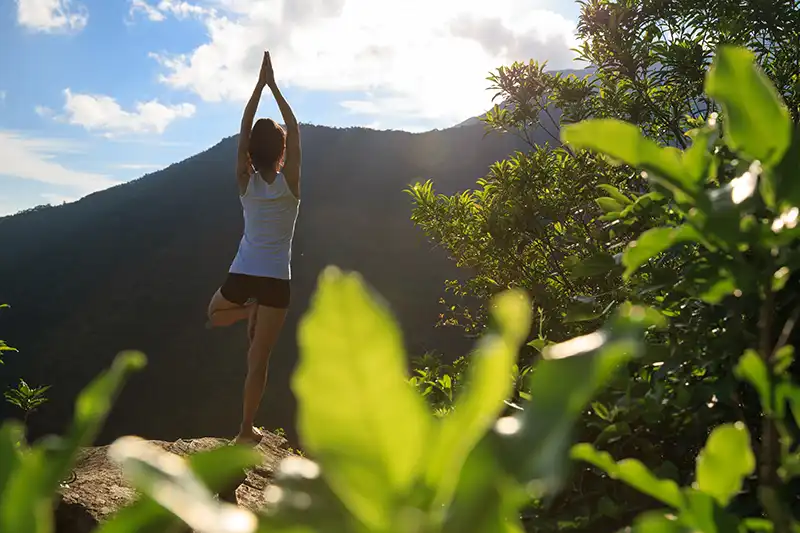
[(267, 145)]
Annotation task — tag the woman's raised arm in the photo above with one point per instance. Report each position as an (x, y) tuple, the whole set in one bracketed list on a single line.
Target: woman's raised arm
[(243, 166), (291, 165)]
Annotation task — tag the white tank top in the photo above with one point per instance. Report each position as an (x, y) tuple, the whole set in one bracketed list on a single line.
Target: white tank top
[(270, 213)]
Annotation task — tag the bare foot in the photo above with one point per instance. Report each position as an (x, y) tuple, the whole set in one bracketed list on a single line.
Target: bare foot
[(251, 437)]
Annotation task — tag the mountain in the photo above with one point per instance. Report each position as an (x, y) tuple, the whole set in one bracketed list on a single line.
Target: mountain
[(133, 267)]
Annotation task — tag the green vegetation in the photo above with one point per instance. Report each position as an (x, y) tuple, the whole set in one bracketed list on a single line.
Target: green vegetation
[(731, 216), (582, 233), (633, 292), (27, 398), (383, 463), (23, 396)]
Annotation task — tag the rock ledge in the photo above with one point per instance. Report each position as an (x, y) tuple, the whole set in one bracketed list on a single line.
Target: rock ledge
[(97, 489)]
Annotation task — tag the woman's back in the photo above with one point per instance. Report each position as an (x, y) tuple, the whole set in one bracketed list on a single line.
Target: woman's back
[(270, 212)]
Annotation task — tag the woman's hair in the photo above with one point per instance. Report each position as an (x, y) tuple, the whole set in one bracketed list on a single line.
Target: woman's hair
[(267, 144)]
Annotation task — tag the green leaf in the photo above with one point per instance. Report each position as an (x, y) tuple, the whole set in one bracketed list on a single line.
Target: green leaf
[(610, 217), (783, 359), (697, 158), (11, 433), (218, 467), (703, 513), (658, 522), (594, 265), (26, 505), (758, 524), (143, 516), (756, 123), (632, 472), (624, 142), (643, 204), (615, 193), (634, 317), (581, 312), (767, 183), (609, 205), (751, 368), (486, 498), (788, 172), (780, 278), (481, 401), (612, 433), (790, 467), (356, 414), (791, 393), (721, 287), (538, 344), (653, 242), (725, 461), (601, 411)]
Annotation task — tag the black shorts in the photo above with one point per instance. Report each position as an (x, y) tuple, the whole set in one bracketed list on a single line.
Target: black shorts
[(269, 292)]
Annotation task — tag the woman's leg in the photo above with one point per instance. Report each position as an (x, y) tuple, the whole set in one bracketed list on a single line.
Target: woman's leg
[(251, 324), (222, 312), (268, 324)]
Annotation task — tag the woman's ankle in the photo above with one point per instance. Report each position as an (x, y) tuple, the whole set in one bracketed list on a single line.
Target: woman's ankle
[(247, 430), (249, 436)]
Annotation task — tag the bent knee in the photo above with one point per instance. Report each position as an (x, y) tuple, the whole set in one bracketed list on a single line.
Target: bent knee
[(217, 301), (219, 305)]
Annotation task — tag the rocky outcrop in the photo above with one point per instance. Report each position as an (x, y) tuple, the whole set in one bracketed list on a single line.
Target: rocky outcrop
[(97, 488)]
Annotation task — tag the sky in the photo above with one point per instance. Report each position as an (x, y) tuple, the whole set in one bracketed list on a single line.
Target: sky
[(94, 93)]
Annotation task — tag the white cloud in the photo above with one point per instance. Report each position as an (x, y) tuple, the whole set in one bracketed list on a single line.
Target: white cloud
[(419, 60), (157, 12), (43, 111), (31, 158), (140, 6), (136, 166), (103, 114), (52, 15)]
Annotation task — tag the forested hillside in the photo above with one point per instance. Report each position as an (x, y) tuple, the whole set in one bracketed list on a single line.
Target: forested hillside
[(135, 266)]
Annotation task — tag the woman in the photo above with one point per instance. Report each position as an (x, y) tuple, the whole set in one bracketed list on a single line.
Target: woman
[(258, 283)]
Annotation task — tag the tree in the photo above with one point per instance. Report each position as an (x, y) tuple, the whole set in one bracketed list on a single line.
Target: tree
[(649, 60), (556, 221)]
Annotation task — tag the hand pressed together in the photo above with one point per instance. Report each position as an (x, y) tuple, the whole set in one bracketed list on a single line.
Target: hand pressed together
[(266, 77)]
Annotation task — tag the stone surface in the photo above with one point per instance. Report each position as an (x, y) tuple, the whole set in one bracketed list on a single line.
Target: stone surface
[(97, 488)]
